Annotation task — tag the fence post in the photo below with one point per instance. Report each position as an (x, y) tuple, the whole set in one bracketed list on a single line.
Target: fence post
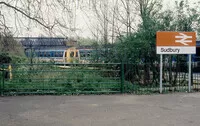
[(3, 80), (122, 77)]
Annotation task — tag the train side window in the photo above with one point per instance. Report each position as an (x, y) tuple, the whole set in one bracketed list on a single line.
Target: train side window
[(53, 54), (40, 54), (48, 54), (56, 54), (45, 54), (60, 54), (82, 54)]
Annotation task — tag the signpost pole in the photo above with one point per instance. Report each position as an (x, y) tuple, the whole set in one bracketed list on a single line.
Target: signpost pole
[(189, 74), (161, 68)]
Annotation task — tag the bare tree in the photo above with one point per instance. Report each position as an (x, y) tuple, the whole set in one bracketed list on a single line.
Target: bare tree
[(55, 17), (113, 18)]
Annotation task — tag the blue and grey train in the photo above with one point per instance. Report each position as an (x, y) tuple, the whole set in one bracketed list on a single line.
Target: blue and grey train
[(59, 55)]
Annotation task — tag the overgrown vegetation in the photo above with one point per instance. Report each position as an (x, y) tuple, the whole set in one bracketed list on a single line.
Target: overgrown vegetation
[(139, 47), (11, 51), (49, 79)]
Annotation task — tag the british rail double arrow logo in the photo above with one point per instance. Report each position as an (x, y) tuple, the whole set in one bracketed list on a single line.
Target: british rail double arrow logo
[(183, 39)]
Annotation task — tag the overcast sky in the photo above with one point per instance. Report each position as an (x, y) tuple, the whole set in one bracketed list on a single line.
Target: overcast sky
[(82, 23)]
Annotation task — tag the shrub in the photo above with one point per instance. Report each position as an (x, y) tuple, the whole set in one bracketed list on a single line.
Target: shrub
[(5, 58)]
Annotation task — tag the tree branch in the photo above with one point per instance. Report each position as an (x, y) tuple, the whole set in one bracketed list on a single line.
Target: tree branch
[(23, 13)]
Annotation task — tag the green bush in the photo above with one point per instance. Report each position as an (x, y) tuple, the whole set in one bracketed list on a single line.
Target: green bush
[(5, 58), (18, 59)]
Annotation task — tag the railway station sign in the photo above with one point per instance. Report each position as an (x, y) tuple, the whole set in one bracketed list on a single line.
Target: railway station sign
[(175, 42)]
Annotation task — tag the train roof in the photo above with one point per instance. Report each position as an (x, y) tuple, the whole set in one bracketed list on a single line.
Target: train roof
[(53, 50), (43, 42)]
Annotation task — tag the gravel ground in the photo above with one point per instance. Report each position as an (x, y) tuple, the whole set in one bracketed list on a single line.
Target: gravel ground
[(182, 109)]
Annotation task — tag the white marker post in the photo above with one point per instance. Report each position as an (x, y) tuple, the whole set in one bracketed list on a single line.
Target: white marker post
[(161, 67), (189, 74)]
